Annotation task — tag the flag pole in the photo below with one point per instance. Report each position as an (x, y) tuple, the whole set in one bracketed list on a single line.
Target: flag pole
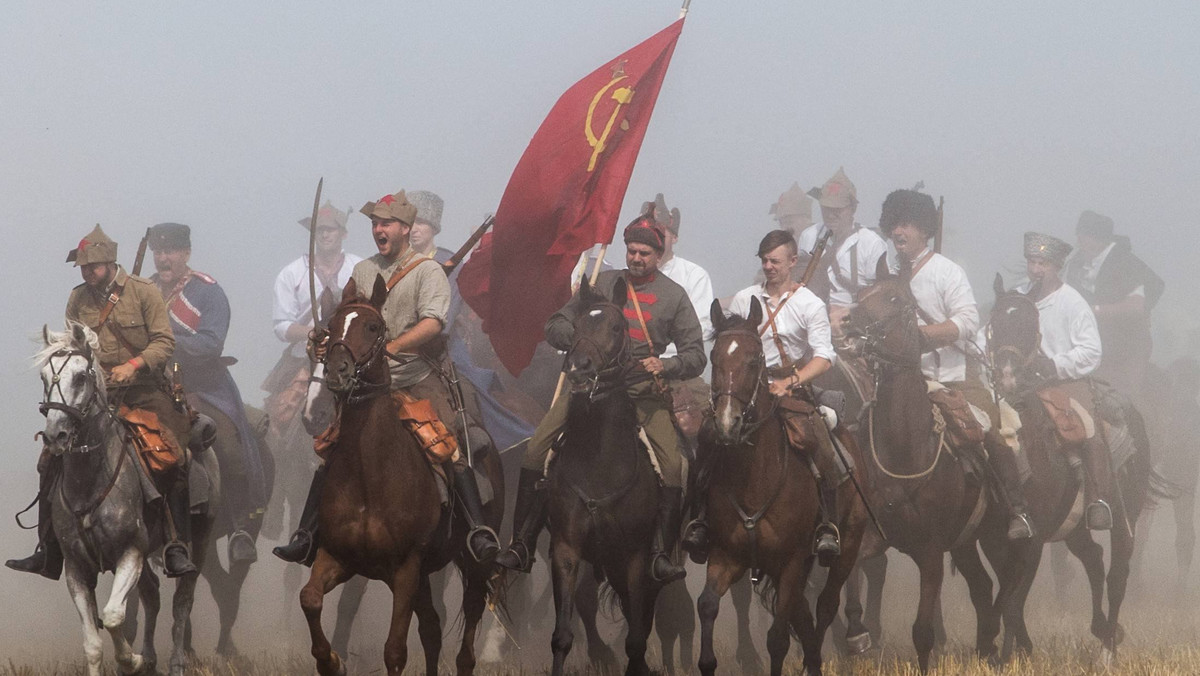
[(684, 10)]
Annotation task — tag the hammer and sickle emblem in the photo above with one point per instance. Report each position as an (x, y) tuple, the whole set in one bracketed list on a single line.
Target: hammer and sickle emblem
[(622, 95)]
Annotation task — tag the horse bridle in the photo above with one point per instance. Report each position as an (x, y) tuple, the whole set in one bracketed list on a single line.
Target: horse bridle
[(78, 416), (1022, 358), (616, 365), (357, 381), (749, 424), (875, 334)]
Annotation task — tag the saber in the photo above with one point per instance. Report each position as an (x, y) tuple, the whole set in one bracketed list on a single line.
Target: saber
[(312, 253), (460, 407)]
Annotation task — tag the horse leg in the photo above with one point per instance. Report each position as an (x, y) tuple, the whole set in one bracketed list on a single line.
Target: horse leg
[(779, 637), (722, 571), (326, 574), (1091, 554), (1014, 591), (979, 584), (181, 613), (475, 590), (347, 609), (858, 637), (1123, 544), (672, 612), (150, 592), (748, 659), (406, 583), (429, 625), (587, 603), (810, 631), (564, 560), (875, 571), (1185, 536), (831, 594), (931, 565), (639, 593), (125, 579), (83, 592)]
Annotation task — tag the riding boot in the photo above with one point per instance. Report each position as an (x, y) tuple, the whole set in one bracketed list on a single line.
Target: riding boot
[(1007, 480), (176, 561), (47, 558), (1098, 514), (529, 518), (302, 547), (481, 540), (695, 533), (662, 568), (827, 544)]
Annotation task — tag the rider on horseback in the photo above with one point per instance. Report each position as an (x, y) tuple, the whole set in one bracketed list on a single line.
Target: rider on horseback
[(799, 350), (668, 318), (1070, 353), (947, 316), (128, 314), (415, 312)]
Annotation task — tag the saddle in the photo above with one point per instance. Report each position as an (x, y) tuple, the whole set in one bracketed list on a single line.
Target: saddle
[(954, 411), (417, 416), (156, 446), (1071, 420)]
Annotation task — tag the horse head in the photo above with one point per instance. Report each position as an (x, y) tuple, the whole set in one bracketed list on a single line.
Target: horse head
[(1013, 338), (600, 350), (739, 375), (884, 320), (355, 358), (72, 387)]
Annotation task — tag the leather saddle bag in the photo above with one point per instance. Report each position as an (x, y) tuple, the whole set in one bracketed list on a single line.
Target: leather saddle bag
[(422, 421), (155, 445), (1067, 423), (961, 424), (797, 415)]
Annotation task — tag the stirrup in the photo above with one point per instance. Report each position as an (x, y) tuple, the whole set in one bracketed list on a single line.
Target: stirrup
[(178, 549), (1020, 527), (300, 537), (494, 544), (827, 552), (1099, 516), (524, 562), (695, 541)]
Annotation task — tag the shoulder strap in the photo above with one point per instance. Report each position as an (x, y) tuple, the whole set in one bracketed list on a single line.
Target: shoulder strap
[(113, 297), (403, 272), (784, 359)]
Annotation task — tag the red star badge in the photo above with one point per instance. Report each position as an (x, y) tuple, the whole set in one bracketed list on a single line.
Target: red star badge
[(387, 199)]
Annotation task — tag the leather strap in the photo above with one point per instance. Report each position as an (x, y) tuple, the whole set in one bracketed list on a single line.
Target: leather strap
[(784, 359), (403, 272), (113, 297)]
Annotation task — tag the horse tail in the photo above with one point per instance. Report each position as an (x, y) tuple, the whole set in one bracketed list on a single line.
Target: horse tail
[(1157, 486), (1162, 488), (609, 601)]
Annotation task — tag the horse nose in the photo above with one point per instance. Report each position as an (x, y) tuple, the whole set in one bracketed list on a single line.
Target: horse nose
[(582, 362)]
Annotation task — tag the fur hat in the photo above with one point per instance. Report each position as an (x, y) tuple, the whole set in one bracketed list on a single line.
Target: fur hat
[(429, 208), (95, 248), (645, 230), (1092, 224), (170, 236), (667, 218), (908, 206)]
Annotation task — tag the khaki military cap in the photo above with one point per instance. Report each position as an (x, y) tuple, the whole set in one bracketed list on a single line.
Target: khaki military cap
[(1053, 249), (429, 208), (327, 215), (95, 248), (838, 191), (394, 207), (793, 202)]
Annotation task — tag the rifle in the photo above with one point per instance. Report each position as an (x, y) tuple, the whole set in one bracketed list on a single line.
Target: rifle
[(141, 254), (937, 233), (452, 263), (814, 260)]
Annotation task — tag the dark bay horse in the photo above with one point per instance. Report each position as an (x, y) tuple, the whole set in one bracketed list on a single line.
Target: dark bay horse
[(381, 514), (1055, 493), (603, 491), (928, 497), (763, 505), (99, 507)]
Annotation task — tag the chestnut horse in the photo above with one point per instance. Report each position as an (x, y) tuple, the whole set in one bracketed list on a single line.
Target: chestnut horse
[(928, 496), (603, 491), (1054, 493), (381, 514), (763, 505)]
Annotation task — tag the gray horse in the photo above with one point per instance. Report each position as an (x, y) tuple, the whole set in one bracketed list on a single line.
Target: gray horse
[(98, 505)]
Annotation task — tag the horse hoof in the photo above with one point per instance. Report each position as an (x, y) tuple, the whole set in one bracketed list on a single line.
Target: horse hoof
[(135, 665), (1107, 658), (859, 643), (1118, 634)]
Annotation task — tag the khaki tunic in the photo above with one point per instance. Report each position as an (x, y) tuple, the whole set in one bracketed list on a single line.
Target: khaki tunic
[(141, 317)]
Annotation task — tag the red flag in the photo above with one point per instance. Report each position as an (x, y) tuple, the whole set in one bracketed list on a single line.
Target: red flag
[(564, 197)]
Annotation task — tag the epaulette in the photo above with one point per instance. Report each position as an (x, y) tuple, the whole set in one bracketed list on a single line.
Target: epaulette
[(140, 280), (207, 279), (79, 286)]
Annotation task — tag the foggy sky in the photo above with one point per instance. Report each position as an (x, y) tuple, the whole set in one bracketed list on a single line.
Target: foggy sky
[(223, 115)]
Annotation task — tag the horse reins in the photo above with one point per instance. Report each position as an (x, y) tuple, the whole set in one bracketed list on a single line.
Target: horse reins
[(748, 428), (615, 365), (357, 381)]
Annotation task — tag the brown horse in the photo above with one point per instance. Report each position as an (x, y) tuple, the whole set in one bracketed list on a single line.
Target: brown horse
[(1054, 491), (930, 497), (763, 505), (603, 490), (381, 514)]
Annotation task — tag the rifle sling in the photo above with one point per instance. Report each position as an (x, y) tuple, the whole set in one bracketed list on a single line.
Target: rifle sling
[(106, 311), (784, 359), (403, 272)]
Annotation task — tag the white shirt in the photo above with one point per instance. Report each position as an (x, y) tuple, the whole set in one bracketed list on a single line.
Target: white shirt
[(944, 293), (803, 324), (1070, 337), (292, 304), (698, 285), (869, 246)]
